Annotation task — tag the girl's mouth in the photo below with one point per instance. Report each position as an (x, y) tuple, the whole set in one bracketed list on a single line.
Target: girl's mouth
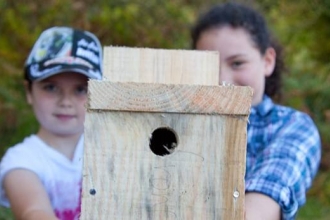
[(64, 117)]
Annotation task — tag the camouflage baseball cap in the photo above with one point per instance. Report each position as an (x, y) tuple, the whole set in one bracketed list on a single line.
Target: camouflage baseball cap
[(64, 49)]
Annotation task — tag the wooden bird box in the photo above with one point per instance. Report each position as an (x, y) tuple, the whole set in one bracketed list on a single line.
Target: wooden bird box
[(162, 139)]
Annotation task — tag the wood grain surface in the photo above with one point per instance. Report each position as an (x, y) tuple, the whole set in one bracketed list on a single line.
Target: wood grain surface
[(146, 65), (149, 97), (202, 179)]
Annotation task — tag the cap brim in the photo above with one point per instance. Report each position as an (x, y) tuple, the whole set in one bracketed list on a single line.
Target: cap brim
[(89, 73)]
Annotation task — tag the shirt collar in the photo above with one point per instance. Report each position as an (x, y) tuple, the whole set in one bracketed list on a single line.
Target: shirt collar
[(263, 108)]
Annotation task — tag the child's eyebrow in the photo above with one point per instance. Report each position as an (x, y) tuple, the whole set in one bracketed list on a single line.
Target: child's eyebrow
[(81, 84), (46, 81), (236, 56)]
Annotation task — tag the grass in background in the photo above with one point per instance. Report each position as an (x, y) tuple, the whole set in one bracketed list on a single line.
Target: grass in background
[(314, 209), (6, 214)]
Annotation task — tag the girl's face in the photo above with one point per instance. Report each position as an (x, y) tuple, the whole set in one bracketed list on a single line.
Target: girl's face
[(59, 103), (241, 63)]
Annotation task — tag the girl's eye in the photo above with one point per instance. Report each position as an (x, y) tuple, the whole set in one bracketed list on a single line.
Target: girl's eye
[(81, 90), (50, 88), (236, 64)]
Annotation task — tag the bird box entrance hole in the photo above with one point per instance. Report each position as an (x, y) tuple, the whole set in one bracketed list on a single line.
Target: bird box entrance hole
[(163, 141)]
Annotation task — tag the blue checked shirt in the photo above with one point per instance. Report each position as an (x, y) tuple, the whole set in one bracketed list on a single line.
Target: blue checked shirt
[(283, 155)]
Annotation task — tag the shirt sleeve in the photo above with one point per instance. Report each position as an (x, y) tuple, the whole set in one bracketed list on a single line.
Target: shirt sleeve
[(285, 168)]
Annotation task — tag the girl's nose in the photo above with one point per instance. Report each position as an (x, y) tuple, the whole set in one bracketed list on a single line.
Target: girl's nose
[(65, 99)]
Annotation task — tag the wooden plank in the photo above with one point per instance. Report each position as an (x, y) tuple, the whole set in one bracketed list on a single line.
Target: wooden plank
[(202, 179), (145, 65), (106, 95)]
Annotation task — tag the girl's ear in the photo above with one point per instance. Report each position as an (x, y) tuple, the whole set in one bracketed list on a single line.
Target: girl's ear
[(270, 61), (28, 88)]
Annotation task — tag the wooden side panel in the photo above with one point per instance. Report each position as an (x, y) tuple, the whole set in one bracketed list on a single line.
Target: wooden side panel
[(202, 179), (145, 65), (229, 100)]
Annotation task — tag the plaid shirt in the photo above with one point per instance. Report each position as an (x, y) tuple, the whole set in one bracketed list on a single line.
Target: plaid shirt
[(283, 155)]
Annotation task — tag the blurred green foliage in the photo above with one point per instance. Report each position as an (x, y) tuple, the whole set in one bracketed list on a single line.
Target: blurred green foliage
[(302, 27)]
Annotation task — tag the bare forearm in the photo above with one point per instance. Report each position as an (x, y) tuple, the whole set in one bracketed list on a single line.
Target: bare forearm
[(261, 207), (28, 201), (37, 214)]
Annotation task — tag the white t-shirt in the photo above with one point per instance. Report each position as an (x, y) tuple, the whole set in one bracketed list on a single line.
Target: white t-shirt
[(60, 176)]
